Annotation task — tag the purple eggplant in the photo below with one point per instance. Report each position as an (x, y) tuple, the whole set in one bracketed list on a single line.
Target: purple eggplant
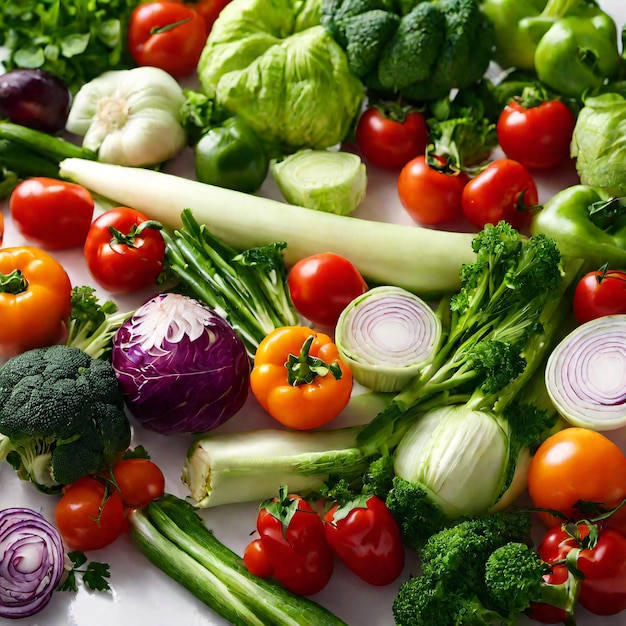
[(34, 98)]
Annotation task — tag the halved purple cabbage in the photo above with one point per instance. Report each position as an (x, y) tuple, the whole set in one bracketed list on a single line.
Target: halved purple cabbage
[(181, 366), (32, 562)]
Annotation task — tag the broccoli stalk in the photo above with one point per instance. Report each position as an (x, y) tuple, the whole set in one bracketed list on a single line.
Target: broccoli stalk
[(172, 536), (92, 324), (248, 289), (514, 578), (499, 327)]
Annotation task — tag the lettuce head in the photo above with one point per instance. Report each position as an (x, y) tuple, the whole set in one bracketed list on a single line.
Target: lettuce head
[(273, 64), (599, 143)]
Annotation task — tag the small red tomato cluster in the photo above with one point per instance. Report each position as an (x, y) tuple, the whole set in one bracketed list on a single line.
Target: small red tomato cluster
[(91, 513), (297, 546)]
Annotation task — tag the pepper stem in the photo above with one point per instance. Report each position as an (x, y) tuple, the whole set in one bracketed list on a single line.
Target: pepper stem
[(14, 282), (303, 369)]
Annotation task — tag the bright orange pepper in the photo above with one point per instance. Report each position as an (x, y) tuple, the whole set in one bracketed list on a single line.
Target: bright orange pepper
[(35, 293), (299, 379)]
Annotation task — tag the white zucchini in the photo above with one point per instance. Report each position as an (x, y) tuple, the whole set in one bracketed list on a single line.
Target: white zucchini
[(421, 260)]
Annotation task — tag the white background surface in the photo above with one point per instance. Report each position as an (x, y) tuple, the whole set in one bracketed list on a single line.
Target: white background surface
[(141, 594)]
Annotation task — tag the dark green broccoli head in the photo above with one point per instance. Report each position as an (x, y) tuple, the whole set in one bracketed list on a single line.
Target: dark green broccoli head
[(60, 401), (514, 577), (417, 514), (411, 54)]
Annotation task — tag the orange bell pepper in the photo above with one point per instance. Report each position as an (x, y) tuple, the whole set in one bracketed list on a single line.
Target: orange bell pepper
[(299, 378), (35, 300)]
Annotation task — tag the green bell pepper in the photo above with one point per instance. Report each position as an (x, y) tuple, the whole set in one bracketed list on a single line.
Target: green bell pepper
[(586, 224), (572, 45), (579, 52), (231, 155)]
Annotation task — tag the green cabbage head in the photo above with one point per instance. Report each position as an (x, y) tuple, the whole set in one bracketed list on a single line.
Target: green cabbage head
[(599, 143), (273, 64)]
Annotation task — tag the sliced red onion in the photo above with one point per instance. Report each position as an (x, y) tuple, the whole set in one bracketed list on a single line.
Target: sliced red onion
[(586, 374), (386, 336), (32, 562)]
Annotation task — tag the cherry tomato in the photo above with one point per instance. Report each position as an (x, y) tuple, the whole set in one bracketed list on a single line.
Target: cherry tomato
[(599, 293), (602, 562), (88, 516), (167, 35), (504, 190), (294, 539), (429, 195), (51, 213), (539, 136), (209, 10), (577, 466), (130, 257), (322, 285), (139, 481), (256, 560), (365, 536), (390, 138)]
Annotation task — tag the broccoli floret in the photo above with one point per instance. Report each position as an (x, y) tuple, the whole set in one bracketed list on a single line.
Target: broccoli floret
[(417, 514), (412, 52), (92, 324), (496, 363), (366, 36), (514, 578), (63, 413), (452, 589), (464, 56), (424, 602)]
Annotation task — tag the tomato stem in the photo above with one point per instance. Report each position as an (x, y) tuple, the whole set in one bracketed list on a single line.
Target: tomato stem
[(157, 30), (118, 237)]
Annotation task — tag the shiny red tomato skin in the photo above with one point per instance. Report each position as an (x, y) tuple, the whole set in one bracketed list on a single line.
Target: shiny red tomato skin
[(301, 558), (139, 481), (504, 190), (167, 35), (256, 560), (52, 214), (322, 285), (209, 10), (86, 519), (430, 196), (367, 540), (538, 137), (389, 143), (599, 293), (118, 267), (603, 586)]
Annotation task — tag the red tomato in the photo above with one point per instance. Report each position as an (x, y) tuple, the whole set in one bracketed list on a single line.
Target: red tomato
[(504, 190), (51, 213), (167, 35), (390, 138), (256, 560), (128, 258), (139, 481), (538, 136), (429, 195), (88, 516), (574, 466), (600, 293), (322, 285), (209, 10), (365, 536), (294, 539), (602, 562)]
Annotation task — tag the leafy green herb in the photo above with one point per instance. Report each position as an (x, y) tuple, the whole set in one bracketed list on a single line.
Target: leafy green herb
[(94, 575), (76, 40)]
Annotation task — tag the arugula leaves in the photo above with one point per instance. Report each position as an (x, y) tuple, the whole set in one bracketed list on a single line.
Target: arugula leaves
[(75, 39)]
